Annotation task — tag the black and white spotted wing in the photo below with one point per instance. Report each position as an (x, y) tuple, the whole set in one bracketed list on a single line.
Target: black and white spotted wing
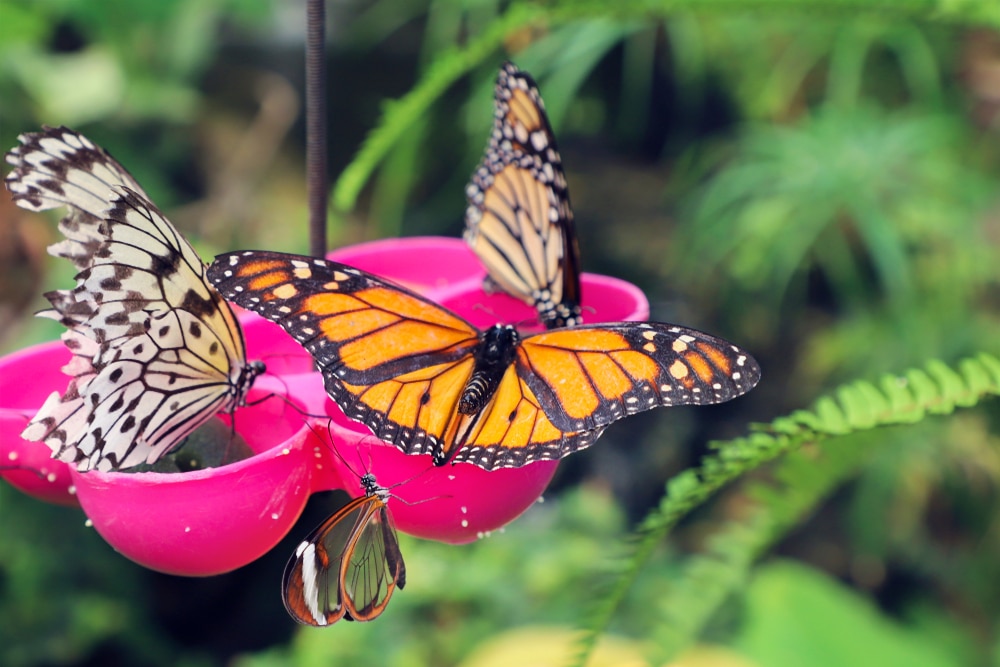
[(157, 351), (60, 167)]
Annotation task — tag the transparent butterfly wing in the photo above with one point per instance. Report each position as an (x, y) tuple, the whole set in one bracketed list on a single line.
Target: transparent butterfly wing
[(373, 568), (347, 568)]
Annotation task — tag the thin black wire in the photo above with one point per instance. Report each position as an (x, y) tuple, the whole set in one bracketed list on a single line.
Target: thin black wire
[(316, 158)]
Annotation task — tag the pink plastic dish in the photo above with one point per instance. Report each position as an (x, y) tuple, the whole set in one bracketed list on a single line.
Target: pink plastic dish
[(27, 377), (605, 299), (421, 263), (445, 270), (214, 520), (28, 466), (211, 521)]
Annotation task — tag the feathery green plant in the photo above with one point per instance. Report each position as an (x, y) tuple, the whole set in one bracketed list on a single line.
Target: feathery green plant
[(840, 181), (800, 483), (853, 408)]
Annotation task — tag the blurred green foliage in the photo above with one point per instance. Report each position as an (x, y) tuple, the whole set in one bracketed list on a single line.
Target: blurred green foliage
[(821, 186), (75, 63), (793, 611)]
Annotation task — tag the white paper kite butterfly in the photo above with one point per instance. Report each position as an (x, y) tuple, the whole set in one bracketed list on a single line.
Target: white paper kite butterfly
[(157, 351)]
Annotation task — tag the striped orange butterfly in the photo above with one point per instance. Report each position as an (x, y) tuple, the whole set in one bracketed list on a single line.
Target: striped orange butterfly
[(519, 220), (427, 381), (349, 566)]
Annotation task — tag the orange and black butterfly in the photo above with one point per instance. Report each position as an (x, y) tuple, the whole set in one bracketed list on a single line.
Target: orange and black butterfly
[(349, 566), (427, 381), (519, 220)]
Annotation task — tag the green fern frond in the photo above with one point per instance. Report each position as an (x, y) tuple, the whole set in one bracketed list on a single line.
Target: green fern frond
[(801, 482), (853, 408)]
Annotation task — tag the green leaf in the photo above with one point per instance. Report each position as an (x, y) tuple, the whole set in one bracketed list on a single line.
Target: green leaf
[(799, 616)]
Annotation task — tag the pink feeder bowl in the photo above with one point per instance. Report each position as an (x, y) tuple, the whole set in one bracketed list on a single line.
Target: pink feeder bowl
[(605, 299), (214, 520), (423, 264), (445, 270), (29, 466), (27, 377), (217, 519)]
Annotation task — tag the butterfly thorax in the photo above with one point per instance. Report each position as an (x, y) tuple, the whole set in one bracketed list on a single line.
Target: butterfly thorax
[(497, 350), (248, 374), (372, 487)]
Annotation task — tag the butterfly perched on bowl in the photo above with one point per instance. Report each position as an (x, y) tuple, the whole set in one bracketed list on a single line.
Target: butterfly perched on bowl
[(349, 566), (427, 381), (519, 220), (157, 351)]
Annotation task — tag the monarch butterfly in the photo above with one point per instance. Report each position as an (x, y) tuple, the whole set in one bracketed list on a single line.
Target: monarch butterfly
[(427, 381), (157, 351), (519, 220), (349, 566)]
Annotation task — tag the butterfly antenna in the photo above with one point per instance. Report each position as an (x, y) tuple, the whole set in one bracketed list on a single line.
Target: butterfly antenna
[(333, 445), (376, 442), (290, 403), (283, 356), (530, 324), (411, 503), (485, 309)]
